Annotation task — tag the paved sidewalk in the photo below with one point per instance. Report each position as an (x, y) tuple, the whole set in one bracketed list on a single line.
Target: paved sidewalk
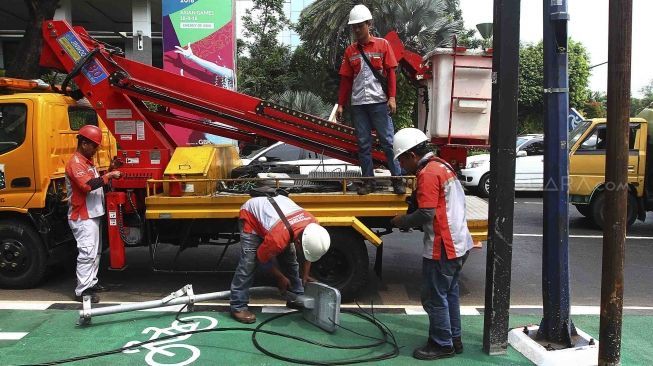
[(36, 336)]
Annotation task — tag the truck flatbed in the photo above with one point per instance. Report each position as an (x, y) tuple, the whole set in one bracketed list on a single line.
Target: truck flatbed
[(373, 209)]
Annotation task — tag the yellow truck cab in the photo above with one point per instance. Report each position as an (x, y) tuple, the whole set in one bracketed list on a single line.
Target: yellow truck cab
[(587, 149), (37, 137)]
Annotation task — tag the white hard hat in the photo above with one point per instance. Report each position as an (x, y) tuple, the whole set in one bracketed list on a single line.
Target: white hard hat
[(406, 139), (359, 13), (315, 242)]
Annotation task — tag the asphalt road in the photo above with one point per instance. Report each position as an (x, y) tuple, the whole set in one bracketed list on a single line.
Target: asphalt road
[(401, 268)]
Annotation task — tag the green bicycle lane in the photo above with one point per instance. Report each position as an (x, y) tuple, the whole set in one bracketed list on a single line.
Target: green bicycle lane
[(53, 335)]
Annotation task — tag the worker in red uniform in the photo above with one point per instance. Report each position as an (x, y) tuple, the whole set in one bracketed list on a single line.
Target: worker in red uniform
[(367, 74), (268, 227), (86, 209), (441, 213)]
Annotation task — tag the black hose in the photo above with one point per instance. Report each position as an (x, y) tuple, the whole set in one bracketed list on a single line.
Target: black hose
[(77, 68), (379, 342)]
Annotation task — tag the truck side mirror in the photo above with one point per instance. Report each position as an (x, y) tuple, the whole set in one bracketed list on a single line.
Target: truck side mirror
[(521, 153)]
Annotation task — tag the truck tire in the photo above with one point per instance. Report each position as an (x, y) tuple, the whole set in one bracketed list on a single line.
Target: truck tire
[(483, 189), (596, 209), (345, 265), (584, 210), (22, 255)]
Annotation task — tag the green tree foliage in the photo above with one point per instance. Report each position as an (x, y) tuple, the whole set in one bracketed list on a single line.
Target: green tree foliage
[(313, 74), (406, 104), (595, 105), (531, 78), (637, 104), (304, 101), (263, 62), (468, 39)]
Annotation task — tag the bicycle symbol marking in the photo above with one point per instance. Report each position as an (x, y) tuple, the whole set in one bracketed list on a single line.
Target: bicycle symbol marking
[(170, 348)]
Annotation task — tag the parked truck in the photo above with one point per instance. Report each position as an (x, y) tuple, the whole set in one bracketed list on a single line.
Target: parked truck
[(587, 153), (168, 195)]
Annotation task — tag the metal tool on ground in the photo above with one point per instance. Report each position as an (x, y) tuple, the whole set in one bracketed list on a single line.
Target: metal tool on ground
[(320, 304)]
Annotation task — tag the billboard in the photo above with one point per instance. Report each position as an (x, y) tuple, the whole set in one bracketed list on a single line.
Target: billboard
[(199, 42)]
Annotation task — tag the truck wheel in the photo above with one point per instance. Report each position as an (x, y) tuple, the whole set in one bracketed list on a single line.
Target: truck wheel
[(483, 189), (345, 265), (596, 210), (584, 210), (22, 255)]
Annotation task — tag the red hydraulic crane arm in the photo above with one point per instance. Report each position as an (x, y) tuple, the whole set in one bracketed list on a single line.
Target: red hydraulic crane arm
[(117, 87), (411, 62)]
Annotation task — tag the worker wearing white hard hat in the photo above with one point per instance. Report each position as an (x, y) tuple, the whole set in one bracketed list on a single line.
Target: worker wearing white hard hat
[(275, 227), (439, 208), (368, 80)]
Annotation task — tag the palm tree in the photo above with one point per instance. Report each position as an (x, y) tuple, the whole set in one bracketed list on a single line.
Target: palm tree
[(303, 101), (421, 24)]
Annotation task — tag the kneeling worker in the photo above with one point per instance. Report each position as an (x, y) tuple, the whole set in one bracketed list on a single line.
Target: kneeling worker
[(268, 225)]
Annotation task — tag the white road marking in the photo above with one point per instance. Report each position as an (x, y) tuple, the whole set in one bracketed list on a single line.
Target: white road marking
[(414, 310), (273, 308), (12, 336), (25, 305), (418, 310), (585, 310), (588, 236), (469, 310), (276, 310)]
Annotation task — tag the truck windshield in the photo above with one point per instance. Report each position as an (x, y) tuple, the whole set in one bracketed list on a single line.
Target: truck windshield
[(577, 132), (12, 126)]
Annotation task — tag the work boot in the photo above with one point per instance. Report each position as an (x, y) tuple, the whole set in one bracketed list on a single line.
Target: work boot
[(99, 288), (94, 297), (398, 186), (432, 351), (457, 344), (366, 188), (244, 316)]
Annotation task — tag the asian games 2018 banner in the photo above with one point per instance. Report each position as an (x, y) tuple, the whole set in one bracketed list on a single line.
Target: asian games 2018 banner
[(199, 42)]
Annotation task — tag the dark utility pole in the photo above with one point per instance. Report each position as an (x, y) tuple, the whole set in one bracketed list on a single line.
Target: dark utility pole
[(556, 326), (503, 134), (616, 174)]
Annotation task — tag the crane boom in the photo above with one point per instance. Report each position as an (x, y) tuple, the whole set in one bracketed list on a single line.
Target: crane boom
[(118, 87)]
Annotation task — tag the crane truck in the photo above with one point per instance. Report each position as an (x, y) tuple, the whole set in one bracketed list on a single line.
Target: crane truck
[(183, 196)]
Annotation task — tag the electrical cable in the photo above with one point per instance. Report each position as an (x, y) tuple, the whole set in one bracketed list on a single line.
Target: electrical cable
[(386, 356), (364, 315)]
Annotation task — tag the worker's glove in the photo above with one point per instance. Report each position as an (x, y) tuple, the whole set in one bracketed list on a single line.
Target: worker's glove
[(188, 53)]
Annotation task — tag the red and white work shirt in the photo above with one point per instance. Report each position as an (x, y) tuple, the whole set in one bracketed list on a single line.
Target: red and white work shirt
[(83, 203), (439, 188), (366, 89), (259, 217)]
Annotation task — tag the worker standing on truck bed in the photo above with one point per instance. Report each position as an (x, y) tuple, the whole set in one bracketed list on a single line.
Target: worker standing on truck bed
[(268, 225), (367, 74), (441, 213), (86, 208)]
